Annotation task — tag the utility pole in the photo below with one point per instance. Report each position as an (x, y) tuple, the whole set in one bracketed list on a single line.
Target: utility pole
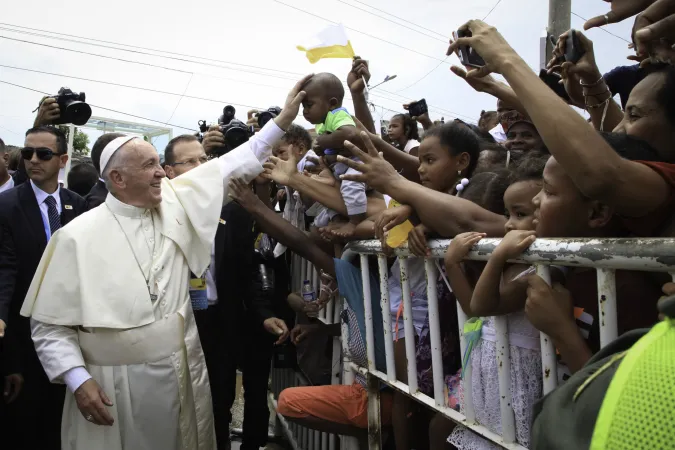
[(559, 21)]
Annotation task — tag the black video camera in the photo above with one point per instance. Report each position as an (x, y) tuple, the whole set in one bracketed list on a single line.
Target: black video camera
[(72, 107), (266, 116), (235, 131)]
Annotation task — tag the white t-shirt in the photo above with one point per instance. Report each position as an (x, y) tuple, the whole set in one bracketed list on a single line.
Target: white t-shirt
[(412, 143), (498, 133)]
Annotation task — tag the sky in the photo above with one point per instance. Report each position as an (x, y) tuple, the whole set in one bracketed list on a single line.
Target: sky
[(245, 54)]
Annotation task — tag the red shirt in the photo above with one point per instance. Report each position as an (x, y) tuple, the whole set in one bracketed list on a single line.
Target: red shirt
[(660, 221)]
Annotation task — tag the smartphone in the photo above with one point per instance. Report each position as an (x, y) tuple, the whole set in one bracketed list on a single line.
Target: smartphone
[(419, 108), (573, 50), (467, 55), (553, 81)]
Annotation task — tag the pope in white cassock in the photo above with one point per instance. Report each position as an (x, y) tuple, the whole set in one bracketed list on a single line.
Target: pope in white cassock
[(110, 308)]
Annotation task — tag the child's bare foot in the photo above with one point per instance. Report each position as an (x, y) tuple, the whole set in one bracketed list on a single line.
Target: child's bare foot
[(328, 232), (345, 230)]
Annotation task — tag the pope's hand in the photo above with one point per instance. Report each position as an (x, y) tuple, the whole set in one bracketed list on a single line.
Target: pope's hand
[(92, 402), (292, 105), (277, 327)]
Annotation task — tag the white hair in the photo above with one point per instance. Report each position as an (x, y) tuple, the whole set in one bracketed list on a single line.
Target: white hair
[(118, 161)]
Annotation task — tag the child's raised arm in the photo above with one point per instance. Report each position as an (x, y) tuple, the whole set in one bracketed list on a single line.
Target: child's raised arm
[(491, 296), (457, 251), (336, 139)]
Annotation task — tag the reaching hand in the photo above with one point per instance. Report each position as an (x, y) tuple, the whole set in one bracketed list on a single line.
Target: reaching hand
[(302, 332), (241, 193), (549, 309), (488, 43), (213, 139), (48, 112), (654, 32), (417, 241), (514, 244), (484, 84), (586, 67), (276, 327), (252, 120), (460, 246), (3, 327), (375, 170), (356, 74), (621, 10), (281, 171), (12, 389), (92, 402), (292, 105), (423, 119), (389, 218)]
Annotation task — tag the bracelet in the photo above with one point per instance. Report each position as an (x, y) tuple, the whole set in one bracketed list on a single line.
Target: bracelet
[(599, 105), (602, 77), (586, 96)]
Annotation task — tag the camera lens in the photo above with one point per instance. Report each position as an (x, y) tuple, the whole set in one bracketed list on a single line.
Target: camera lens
[(77, 113)]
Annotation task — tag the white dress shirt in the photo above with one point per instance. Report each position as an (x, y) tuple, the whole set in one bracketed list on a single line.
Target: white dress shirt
[(9, 184), (41, 196)]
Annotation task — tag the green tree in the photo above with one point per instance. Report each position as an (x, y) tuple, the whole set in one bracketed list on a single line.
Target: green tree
[(80, 141)]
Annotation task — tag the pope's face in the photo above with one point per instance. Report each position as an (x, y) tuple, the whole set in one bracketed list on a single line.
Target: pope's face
[(142, 175)]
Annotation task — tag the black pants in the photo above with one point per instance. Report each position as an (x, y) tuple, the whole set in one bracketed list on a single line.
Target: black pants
[(230, 344), (33, 420)]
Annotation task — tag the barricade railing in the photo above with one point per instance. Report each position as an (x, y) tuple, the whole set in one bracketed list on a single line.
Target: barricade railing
[(299, 437), (604, 255)]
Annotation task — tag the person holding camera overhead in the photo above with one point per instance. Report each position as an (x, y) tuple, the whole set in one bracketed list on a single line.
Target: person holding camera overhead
[(230, 324), (30, 215), (132, 287)]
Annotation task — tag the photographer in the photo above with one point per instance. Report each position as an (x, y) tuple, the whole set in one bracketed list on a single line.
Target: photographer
[(237, 307)]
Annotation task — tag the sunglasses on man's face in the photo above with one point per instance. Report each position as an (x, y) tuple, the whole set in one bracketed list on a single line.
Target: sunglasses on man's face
[(43, 153)]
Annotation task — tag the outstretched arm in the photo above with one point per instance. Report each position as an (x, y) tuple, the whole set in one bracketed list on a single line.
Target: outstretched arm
[(447, 215), (633, 189), (280, 229)]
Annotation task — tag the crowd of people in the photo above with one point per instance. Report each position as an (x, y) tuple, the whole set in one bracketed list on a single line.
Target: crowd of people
[(129, 300)]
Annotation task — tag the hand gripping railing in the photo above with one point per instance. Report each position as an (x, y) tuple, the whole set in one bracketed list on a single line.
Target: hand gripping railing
[(604, 255)]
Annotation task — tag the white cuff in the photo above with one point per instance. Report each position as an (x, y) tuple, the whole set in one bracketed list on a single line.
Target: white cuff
[(75, 377)]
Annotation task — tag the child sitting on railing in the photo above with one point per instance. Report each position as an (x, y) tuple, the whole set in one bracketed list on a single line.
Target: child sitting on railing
[(499, 291)]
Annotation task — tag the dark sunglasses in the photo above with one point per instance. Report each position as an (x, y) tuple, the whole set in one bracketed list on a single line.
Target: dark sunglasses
[(42, 153)]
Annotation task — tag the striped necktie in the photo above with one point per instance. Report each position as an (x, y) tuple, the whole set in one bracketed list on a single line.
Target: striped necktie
[(53, 214)]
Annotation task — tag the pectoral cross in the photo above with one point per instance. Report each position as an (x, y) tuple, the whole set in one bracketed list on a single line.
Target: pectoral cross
[(153, 297)]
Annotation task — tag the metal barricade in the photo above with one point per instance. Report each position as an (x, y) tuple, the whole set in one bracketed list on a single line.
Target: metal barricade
[(604, 255), (302, 438)]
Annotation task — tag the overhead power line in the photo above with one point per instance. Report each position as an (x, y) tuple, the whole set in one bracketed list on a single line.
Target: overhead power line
[(446, 58), (198, 59), (101, 107), (358, 31), (604, 29), (395, 23), (399, 18)]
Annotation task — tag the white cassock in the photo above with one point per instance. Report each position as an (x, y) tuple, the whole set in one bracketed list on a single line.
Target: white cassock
[(92, 312)]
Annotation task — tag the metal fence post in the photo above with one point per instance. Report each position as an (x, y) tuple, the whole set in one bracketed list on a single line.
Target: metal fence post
[(549, 364)]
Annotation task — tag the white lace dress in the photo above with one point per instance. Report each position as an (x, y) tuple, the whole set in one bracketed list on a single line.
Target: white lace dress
[(526, 382)]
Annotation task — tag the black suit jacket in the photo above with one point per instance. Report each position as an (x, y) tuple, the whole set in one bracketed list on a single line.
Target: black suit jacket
[(239, 292), (22, 242), (96, 196)]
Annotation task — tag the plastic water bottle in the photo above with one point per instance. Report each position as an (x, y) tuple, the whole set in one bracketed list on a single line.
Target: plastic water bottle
[(308, 294)]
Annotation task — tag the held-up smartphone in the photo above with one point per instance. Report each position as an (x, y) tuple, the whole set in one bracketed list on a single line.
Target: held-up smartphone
[(419, 108), (573, 50), (467, 55), (552, 81)]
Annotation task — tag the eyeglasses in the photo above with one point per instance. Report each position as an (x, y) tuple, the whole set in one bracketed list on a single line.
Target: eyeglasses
[(43, 153), (192, 162)]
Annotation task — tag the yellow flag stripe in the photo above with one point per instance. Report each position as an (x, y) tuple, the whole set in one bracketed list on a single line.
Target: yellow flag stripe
[(331, 51)]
